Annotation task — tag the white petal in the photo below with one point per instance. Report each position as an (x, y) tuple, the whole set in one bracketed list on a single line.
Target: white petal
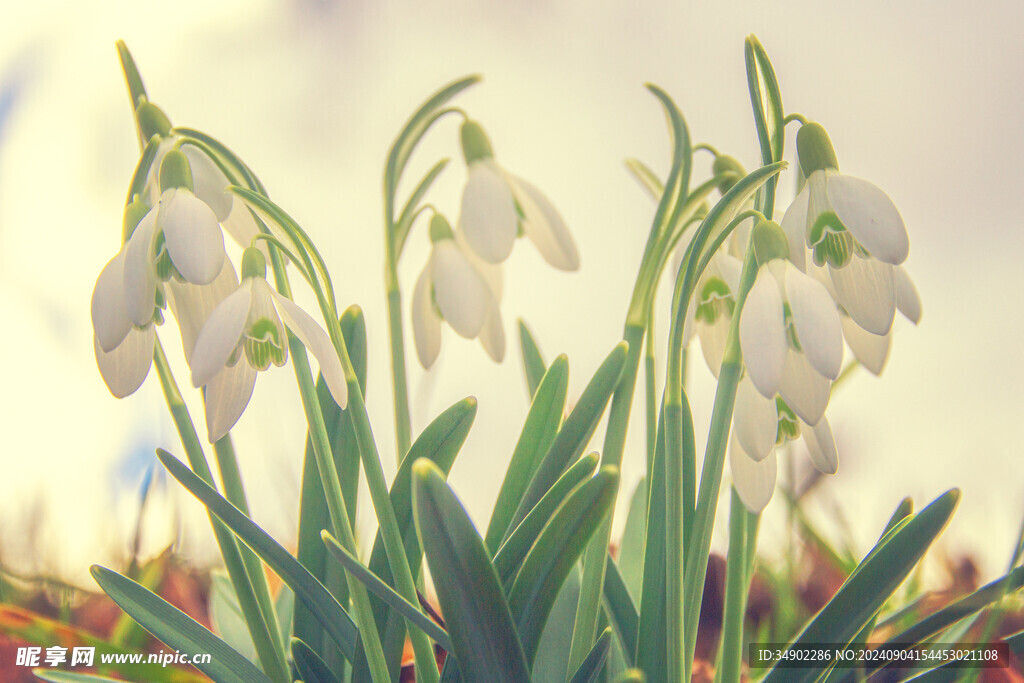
[(729, 268), (490, 272), (125, 368), (152, 188), (794, 223), (544, 226), (489, 216), (426, 325), (754, 481), (763, 334), (803, 389), (908, 301), (870, 216), (110, 320), (208, 181), (139, 275), (816, 320), (193, 304), (866, 288), (740, 237), (220, 335), (755, 421), (821, 446), (870, 350), (315, 339), (227, 395), (194, 239), (492, 334), (712, 342), (459, 290)]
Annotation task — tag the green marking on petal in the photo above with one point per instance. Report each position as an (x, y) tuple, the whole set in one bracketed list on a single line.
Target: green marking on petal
[(830, 241), (162, 263), (791, 337), (715, 300), (789, 426), (263, 345)]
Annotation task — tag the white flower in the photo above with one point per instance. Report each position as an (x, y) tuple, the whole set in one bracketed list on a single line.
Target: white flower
[(458, 287), (852, 228), (497, 205), (872, 350), (244, 334)]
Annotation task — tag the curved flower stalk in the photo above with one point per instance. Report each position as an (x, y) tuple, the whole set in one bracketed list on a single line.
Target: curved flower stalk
[(853, 230), (249, 325), (458, 287), (498, 207)]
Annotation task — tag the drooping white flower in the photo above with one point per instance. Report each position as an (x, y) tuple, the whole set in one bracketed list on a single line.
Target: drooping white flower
[(872, 350), (852, 228), (497, 207), (458, 287), (247, 333), (712, 308)]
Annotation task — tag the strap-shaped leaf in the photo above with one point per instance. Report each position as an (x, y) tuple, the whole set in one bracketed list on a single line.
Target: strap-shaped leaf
[(484, 638), (310, 667), (386, 593), (576, 431), (513, 551), (321, 603), (591, 667), (560, 544), (621, 610), (538, 433), (440, 443), (647, 178), (652, 643), (176, 629), (768, 115), (871, 584), (533, 362)]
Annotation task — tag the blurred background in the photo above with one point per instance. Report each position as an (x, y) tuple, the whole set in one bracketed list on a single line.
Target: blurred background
[(922, 98)]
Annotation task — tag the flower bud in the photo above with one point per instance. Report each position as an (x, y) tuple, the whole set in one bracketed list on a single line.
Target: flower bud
[(815, 149), (175, 171), (133, 214), (152, 120), (726, 164), (769, 242), (253, 263), (440, 229), (475, 145)]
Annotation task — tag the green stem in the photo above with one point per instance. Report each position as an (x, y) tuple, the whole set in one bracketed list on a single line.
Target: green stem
[(650, 393), (403, 427), (737, 583), (268, 649)]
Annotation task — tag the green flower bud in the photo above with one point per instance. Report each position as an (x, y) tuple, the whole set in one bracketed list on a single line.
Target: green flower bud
[(175, 171), (815, 149), (440, 229), (769, 242), (133, 215), (152, 120), (253, 263), (475, 145), (726, 164)]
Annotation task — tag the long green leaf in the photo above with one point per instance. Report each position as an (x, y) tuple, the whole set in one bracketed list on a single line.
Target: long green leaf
[(652, 644), (313, 513), (321, 603), (513, 551), (634, 536), (483, 634), (440, 443), (871, 584), (622, 612), (176, 629), (768, 115), (311, 668), (560, 544), (591, 667), (533, 361), (647, 178), (386, 593), (538, 433), (576, 431)]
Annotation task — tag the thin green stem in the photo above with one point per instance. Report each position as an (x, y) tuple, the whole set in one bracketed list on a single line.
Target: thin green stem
[(650, 393), (268, 647), (403, 426), (737, 582)]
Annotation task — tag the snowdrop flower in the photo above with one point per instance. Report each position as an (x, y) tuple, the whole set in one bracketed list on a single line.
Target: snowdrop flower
[(180, 238), (246, 333), (712, 308), (497, 207), (790, 331), (458, 287), (852, 228), (872, 350)]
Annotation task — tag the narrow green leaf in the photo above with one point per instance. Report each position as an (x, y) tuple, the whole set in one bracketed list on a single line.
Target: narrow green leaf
[(136, 89), (311, 668), (484, 638), (631, 676), (226, 156), (652, 643), (871, 584), (538, 433), (576, 431), (227, 619), (325, 608), (648, 179), (408, 215), (553, 652), (313, 513), (176, 629), (533, 361), (621, 610), (440, 443), (57, 676), (560, 544), (591, 667), (634, 536), (513, 551), (903, 510), (386, 592), (768, 115)]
